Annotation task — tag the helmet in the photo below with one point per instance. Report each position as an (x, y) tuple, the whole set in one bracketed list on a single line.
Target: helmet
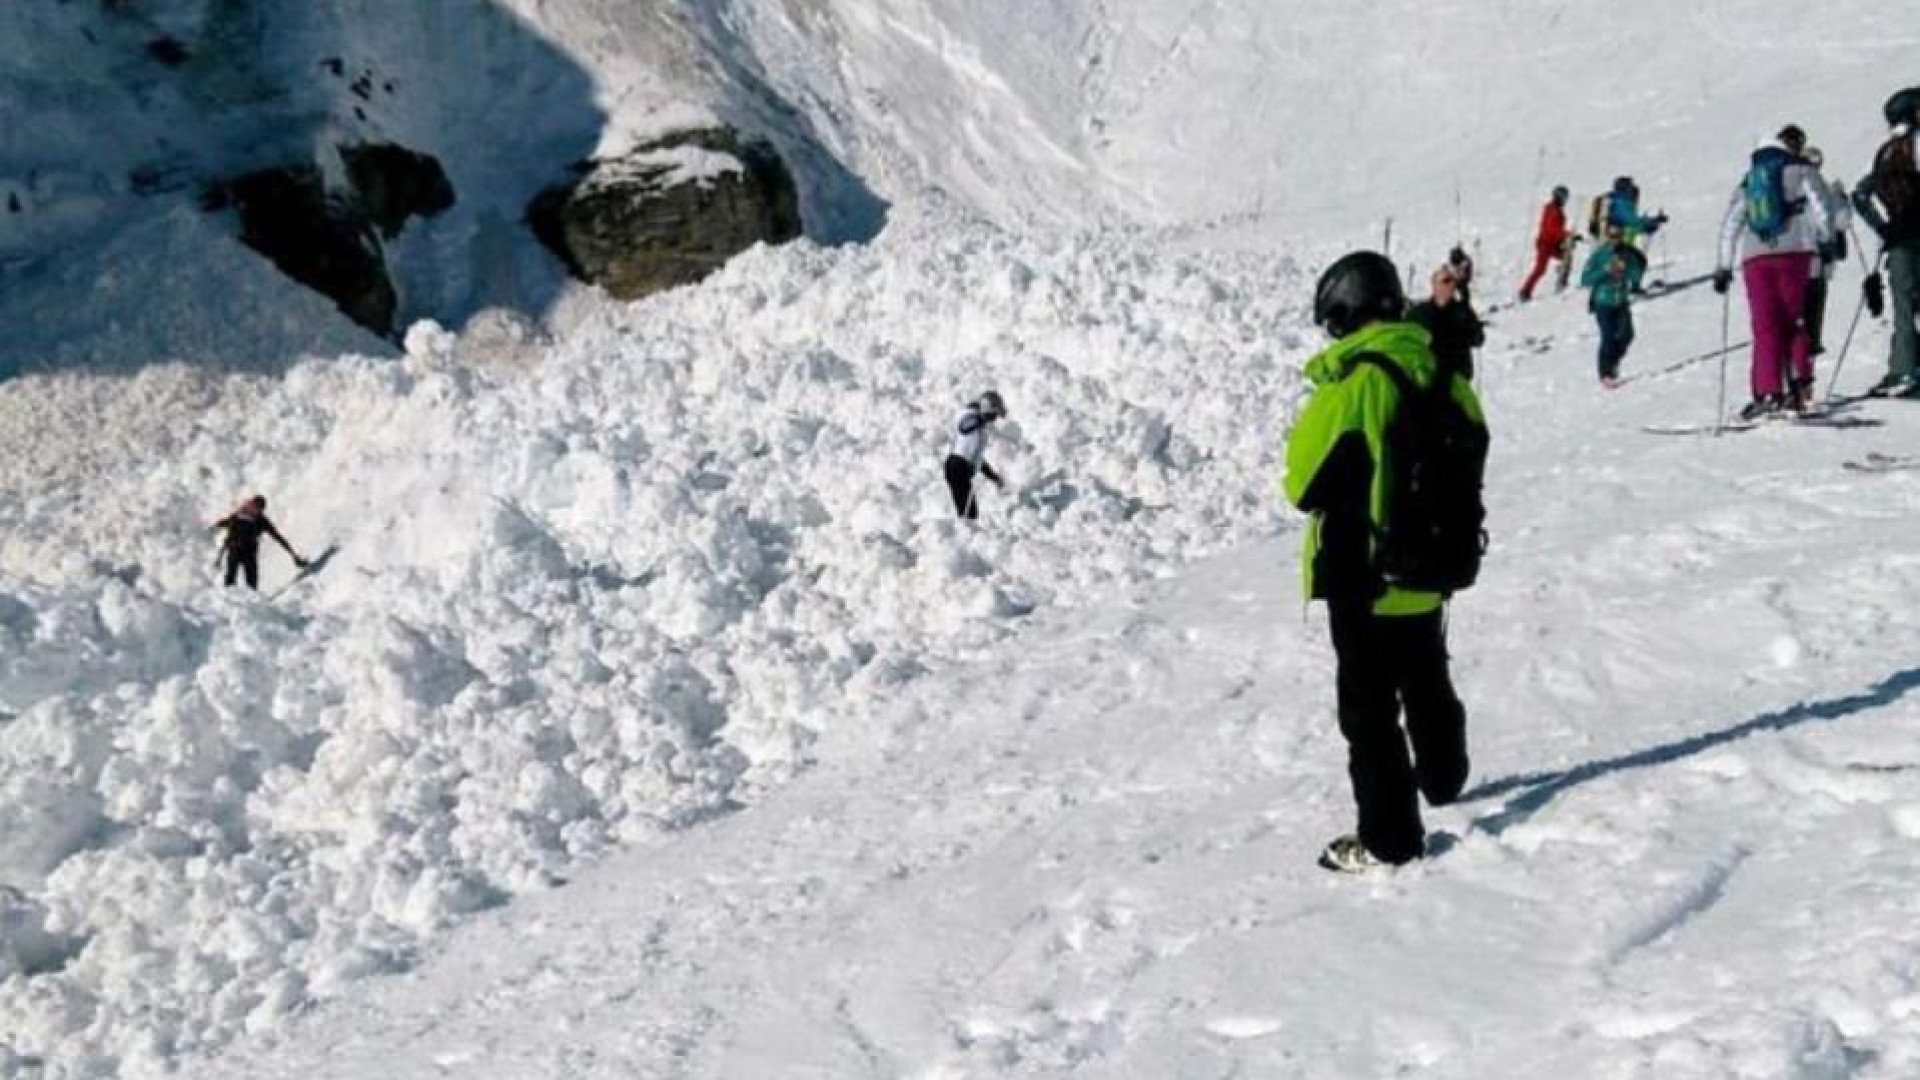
[(1623, 183), (1560, 193), (1901, 107), (1814, 157), (992, 404), (1359, 288), (257, 502), (1792, 137)]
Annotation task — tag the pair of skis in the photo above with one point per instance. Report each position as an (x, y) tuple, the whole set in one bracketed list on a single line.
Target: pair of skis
[(1820, 418)]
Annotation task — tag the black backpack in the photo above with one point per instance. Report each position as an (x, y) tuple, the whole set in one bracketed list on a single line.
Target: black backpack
[(1436, 533)]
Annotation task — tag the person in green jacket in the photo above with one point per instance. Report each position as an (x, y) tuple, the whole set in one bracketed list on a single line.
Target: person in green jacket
[(1389, 643)]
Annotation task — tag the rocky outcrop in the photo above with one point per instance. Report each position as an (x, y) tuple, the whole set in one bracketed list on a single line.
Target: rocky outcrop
[(330, 239), (323, 241), (395, 183), (669, 213)]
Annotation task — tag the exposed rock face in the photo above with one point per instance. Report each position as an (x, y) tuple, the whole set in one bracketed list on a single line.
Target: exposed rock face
[(669, 213), (395, 183), (328, 240), (325, 242)]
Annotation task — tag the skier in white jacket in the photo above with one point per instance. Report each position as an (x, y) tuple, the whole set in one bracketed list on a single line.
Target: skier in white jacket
[(966, 455), (1776, 225)]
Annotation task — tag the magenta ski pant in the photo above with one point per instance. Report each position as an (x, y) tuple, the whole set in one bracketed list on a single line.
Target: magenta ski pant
[(1777, 305)]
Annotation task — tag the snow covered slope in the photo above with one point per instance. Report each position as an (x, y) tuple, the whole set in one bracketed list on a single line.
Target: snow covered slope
[(589, 591), (669, 588), (1305, 121), (1687, 854)]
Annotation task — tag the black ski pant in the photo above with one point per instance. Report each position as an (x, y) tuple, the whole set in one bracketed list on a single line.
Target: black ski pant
[(1816, 314), (244, 562), (1385, 663), (960, 474), (1616, 336)]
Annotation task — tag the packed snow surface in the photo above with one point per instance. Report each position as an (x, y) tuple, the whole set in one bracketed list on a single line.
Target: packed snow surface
[(651, 716)]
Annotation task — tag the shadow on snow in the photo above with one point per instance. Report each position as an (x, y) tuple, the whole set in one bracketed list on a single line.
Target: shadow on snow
[(1539, 789)]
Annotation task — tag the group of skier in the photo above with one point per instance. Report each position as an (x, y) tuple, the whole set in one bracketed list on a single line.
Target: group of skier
[(1392, 434), (1786, 229)]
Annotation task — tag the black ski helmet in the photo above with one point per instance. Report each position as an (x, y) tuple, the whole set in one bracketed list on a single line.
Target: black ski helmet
[(1359, 288), (1623, 184), (1901, 107), (993, 404), (1560, 193)]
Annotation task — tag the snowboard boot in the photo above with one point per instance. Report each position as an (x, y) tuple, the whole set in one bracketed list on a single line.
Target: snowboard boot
[(1347, 855)]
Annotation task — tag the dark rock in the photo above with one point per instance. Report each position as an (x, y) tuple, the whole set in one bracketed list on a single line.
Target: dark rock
[(322, 241), (330, 241), (168, 51), (669, 213), (395, 183)]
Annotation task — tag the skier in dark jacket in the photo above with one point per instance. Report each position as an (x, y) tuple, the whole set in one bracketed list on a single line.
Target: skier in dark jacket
[(241, 548), (1448, 317), (1888, 200), (966, 456)]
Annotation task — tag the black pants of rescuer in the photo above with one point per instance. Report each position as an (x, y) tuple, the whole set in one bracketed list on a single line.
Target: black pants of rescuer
[(244, 562), (1387, 663), (960, 482)]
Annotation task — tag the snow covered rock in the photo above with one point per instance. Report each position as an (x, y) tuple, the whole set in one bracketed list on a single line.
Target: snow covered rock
[(669, 213)]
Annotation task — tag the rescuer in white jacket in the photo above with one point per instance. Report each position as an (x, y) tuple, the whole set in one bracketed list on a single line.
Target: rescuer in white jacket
[(967, 454)]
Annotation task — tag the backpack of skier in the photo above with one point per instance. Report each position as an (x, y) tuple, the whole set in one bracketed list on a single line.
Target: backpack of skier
[(1596, 216), (1436, 533), (1764, 191)]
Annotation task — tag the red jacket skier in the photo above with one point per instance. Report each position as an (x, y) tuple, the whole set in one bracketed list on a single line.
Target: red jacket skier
[(1553, 241)]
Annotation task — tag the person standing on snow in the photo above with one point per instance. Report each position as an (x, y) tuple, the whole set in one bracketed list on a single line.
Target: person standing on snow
[(1613, 273), (1888, 200), (1389, 642), (1553, 241), (1449, 319), (240, 549), (1623, 209), (967, 453), (1776, 225), (1833, 253)]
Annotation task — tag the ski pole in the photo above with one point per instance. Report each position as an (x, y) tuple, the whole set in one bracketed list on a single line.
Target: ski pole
[(1726, 321), (1833, 381)]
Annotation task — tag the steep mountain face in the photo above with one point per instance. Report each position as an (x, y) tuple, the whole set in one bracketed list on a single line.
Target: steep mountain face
[(1253, 123), (125, 116)]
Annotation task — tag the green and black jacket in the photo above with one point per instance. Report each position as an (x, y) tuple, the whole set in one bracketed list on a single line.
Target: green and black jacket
[(1339, 467)]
